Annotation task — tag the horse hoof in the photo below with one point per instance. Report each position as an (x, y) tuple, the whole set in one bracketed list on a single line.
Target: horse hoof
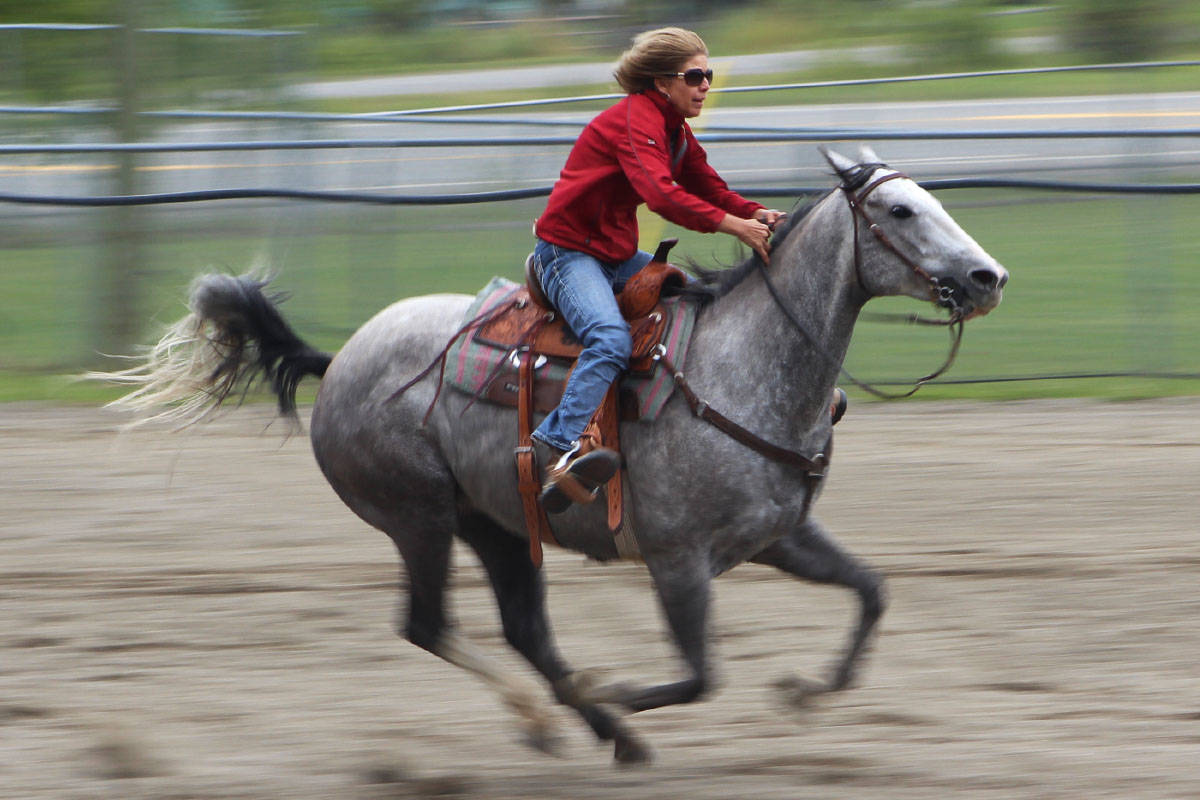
[(544, 740), (842, 679), (796, 691), (629, 752), (576, 688)]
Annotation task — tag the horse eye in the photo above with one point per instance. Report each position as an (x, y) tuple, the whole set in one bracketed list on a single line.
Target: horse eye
[(901, 212)]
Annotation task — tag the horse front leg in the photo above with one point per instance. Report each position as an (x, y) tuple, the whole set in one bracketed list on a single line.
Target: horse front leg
[(809, 552), (683, 591)]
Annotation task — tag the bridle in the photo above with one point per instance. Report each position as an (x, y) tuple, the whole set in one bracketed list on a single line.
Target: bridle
[(946, 294), (943, 293)]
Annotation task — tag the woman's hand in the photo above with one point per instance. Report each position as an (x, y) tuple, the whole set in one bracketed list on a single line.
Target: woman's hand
[(769, 216), (750, 232)]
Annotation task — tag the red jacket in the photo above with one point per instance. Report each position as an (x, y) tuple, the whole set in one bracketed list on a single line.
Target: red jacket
[(638, 151)]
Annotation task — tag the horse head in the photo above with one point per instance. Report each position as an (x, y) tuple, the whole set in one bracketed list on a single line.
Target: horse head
[(906, 243)]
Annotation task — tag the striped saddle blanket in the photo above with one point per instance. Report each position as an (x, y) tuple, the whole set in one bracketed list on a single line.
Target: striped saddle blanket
[(484, 365)]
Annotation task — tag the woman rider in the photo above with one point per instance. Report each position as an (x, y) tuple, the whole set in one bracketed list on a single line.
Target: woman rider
[(641, 150)]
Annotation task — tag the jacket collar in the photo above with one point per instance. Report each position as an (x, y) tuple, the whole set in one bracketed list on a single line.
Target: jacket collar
[(662, 103)]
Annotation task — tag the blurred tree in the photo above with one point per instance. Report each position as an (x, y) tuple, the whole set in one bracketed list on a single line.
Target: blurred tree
[(952, 35), (558, 8), (1119, 30), (676, 12), (397, 14), (70, 11)]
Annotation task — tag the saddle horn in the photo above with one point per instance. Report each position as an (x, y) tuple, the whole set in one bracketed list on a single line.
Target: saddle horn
[(664, 247)]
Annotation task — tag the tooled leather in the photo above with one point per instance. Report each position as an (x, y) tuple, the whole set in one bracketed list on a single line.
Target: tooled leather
[(554, 339)]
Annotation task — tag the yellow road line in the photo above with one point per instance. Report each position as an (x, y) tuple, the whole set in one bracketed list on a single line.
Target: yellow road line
[(16, 169), (1083, 115)]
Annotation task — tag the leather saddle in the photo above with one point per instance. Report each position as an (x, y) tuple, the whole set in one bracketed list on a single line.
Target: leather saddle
[(530, 324), (532, 330)]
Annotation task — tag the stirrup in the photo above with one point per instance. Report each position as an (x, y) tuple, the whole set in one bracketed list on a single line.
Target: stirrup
[(577, 478)]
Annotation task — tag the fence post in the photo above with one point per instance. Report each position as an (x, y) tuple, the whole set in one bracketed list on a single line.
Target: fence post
[(121, 268)]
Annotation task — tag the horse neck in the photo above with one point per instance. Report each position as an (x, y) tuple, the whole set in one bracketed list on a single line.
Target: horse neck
[(745, 342)]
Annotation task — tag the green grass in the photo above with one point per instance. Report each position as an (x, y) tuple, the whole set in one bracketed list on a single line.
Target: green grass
[(373, 51), (1098, 285)]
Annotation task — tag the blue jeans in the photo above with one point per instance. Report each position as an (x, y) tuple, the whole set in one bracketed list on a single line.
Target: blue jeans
[(582, 289)]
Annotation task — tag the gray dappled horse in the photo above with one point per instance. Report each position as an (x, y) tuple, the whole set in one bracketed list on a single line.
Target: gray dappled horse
[(766, 351)]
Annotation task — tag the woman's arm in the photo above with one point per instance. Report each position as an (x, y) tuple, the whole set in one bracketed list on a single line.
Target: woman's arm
[(642, 151), (700, 200)]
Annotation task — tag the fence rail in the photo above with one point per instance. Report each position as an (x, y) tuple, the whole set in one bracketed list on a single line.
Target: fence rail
[(544, 141), (167, 198)]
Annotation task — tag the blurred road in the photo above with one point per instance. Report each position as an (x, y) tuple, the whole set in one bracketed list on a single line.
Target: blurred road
[(559, 75), (600, 72)]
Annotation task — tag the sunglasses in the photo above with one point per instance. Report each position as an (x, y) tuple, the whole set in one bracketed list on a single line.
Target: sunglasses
[(694, 76)]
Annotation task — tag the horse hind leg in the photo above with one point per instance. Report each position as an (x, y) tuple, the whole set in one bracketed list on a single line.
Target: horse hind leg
[(810, 553), (521, 596), (427, 559)]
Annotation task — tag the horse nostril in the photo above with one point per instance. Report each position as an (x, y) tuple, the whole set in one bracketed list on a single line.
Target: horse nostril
[(989, 279)]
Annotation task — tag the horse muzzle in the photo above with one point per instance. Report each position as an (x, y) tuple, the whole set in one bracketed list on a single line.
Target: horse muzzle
[(977, 293)]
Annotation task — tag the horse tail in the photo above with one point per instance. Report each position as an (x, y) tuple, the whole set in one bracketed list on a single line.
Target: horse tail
[(233, 336)]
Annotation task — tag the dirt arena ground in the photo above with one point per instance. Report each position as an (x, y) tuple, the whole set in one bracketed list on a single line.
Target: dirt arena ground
[(197, 616)]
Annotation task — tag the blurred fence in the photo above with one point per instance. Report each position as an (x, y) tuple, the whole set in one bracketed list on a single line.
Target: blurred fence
[(1104, 267)]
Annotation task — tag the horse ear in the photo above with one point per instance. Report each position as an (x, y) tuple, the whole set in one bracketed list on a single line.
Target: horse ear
[(867, 155), (841, 165)]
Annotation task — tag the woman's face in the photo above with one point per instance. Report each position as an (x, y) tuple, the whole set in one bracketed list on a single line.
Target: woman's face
[(687, 100)]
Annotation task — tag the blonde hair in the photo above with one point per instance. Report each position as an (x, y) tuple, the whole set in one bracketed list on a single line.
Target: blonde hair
[(654, 54)]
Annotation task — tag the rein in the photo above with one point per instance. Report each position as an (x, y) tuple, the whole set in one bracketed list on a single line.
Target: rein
[(814, 466), (944, 295)]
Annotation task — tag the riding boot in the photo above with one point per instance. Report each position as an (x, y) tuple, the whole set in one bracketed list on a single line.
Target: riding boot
[(573, 476)]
